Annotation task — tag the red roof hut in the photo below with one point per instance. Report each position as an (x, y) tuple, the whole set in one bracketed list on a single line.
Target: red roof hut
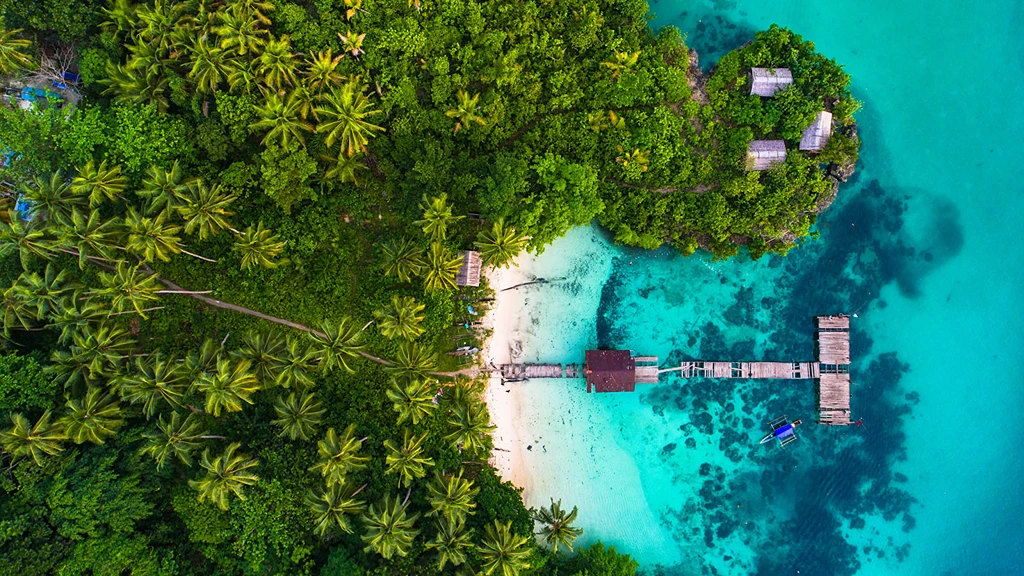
[(610, 371)]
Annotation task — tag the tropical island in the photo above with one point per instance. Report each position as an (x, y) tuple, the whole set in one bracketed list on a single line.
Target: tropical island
[(240, 254)]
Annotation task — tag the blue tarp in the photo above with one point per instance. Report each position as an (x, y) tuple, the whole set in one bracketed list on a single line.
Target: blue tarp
[(784, 431), (24, 208)]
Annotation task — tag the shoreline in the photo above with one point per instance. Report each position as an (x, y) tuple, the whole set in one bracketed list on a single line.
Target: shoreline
[(503, 401)]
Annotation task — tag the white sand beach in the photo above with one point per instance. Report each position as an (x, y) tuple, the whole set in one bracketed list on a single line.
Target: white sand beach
[(504, 345)]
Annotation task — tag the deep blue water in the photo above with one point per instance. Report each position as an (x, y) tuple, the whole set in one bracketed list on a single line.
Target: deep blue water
[(924, 244)]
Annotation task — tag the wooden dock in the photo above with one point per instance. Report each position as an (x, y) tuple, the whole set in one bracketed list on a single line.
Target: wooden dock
[(620, 371), (519, 372), (831, 371)]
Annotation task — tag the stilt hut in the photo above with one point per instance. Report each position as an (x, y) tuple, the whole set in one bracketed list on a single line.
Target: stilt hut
[(610, 371), (469, 272), (767, 81), (816, 135), (763, 154)]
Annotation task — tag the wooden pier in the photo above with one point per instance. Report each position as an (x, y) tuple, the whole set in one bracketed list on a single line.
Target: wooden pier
[(620, 370), (831, 371)]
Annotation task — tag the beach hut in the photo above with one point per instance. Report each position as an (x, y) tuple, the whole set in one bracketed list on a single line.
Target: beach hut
[(469, 272), (768, 81), (610, 371), (763, 154), (817, 134)]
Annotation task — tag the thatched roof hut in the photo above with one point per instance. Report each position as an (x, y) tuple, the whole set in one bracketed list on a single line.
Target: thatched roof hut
[(768, 81), (817, 134), (469, 272), (763, 154)]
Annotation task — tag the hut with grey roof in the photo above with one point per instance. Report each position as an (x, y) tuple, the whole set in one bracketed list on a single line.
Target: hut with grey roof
[(763, 154), (817, 134), (469, 272), (768, 81)]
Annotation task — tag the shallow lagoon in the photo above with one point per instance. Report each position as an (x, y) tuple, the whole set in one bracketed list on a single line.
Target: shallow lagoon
[(923, 245)]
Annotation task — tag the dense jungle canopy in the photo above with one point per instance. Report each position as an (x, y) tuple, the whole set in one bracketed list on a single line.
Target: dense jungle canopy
[(229, 242)]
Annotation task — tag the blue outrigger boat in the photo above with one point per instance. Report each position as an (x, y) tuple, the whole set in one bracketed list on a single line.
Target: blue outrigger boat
[(782, 430)]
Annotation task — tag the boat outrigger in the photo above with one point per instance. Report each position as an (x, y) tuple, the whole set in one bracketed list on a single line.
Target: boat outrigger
[(782, 429)]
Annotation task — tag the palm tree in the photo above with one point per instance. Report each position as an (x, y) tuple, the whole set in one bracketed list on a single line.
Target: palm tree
[(258, 247), (442, 268), (471, 426), (254, 8), (12, 52), (297, 363), (339, 455), (204, 361), (337, 342), (174, 438), (299, 415), (99, 348), (30, 239), (346, 168), (154, 380), (408, 460), (639, 158), (322, 71), (403, 259), (283, 119), (53, 197), (353, 42), (92, 418), (226, 474), (412, 361), (558, 528), (401, 319), (345, 114), (99, 183), (451, 542), (502, 552), (210, 65), (152, 238), (44, 292), (264, 351), (437, 215), (451, 497), (75, 315), (240, 31), (333, 507), (242, 76), (414, 401), (129, 288), (162, 188), (38, 441), (624, 61), (389, 531), (465, 112), (121, 17), (500, 245), (229, 387), (277, 64), (93, 237), (205, 209), (19, 311)]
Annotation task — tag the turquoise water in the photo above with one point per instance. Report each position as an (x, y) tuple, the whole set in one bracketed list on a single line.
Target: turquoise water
[(924, 245)]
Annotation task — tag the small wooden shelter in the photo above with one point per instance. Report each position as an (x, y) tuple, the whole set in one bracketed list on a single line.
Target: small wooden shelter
[(610, 371), (469, 272), (768, 81), (763, 154), (817, 134)]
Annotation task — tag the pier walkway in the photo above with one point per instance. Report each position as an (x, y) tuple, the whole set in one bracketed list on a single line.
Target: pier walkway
[(620, 370)]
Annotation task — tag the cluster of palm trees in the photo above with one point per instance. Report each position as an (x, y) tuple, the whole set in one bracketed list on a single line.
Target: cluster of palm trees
[(229, 46), (438, 265), (68, 216)]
